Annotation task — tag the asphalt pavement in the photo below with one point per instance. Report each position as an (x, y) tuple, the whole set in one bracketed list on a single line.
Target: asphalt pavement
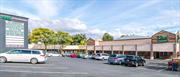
[(76, 67)]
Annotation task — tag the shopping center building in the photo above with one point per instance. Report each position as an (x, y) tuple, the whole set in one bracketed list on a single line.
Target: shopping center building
[(13, 32), (161, 45)]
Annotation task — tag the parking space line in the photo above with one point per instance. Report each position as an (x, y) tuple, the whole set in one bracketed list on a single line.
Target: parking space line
[(45, 72), (1, 64), (36, 67)]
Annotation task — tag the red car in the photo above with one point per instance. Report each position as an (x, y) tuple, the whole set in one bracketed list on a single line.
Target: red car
[(170, 65), (73, 55)]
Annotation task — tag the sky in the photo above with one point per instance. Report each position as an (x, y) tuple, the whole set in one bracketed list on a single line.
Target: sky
[(95, 17)]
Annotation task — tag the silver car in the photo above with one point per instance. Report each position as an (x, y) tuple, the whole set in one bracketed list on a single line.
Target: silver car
[(116, 59)]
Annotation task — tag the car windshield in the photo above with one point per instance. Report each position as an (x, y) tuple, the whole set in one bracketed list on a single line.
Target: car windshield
[(98, 54), (113, 55), (122, 56), (129, 57)]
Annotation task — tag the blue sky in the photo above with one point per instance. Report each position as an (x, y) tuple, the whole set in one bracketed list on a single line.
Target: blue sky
[(95, 17)]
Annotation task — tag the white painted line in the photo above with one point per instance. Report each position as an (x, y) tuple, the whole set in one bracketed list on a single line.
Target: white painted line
[(36, 67), (45, 72), (26, 64)]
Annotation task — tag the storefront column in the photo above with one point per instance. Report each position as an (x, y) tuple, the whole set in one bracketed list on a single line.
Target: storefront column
[(112, 52), (123, 49), (179, 49), (94, 49), (136, 52), (151, 52), (102, 49), (86, 51), (174, 52), (61, 49)]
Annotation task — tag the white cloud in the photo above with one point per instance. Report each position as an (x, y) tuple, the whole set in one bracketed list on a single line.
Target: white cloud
[(79, 12), (45, 8), (69, 25), (171, 13), (72, 26), (19, 13), (64, 24), (167, 20), (115, 18)]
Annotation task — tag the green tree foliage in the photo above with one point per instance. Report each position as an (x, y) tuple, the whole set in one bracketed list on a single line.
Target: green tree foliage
[(107, 37), (64, 38), (47, 36), (42, 35), (80, 39)]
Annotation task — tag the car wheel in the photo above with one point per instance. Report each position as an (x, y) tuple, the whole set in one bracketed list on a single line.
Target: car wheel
[(142, 63), (3, 59), (34, 61), (103, 58), (136, 64), (120, 63)]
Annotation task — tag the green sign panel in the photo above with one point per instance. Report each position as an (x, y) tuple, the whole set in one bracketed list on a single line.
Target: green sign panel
[(9, 18), (162, 39)]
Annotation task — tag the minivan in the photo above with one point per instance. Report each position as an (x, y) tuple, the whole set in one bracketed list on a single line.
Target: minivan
[(24, 55)]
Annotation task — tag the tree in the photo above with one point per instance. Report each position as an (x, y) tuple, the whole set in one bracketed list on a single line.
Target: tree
[(42, 35), (80, 39), (107, 37), (63, 38)]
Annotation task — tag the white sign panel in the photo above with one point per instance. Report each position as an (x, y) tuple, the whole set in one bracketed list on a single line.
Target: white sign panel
[(14, 34)]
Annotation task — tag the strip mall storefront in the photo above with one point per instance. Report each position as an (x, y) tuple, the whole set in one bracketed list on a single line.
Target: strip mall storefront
[(162, 45)]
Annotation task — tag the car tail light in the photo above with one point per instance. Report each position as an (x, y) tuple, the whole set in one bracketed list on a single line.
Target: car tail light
[(43, 55)]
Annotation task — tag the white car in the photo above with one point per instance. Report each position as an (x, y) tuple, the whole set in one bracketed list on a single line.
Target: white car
[(54, 54), (102, 56), (23, 55), (85, 56)]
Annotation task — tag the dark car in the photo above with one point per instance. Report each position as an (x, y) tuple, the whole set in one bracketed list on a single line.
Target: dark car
[(116, 59), (132, 60)]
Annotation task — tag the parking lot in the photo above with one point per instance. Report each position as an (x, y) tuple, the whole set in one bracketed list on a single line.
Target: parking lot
[(76, 67)]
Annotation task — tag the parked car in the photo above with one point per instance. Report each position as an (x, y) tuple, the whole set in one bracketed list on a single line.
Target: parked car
[(102, 56), (132, 60), (23, 55), (79, 55), (73, 55), (93, 56), (54, 54), (116, 59), (86, 56), (66, 54)]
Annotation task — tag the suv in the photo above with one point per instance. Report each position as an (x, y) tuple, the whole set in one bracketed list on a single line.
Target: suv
[(102, 56), (132, 60), (116, 59), (23, 55)]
